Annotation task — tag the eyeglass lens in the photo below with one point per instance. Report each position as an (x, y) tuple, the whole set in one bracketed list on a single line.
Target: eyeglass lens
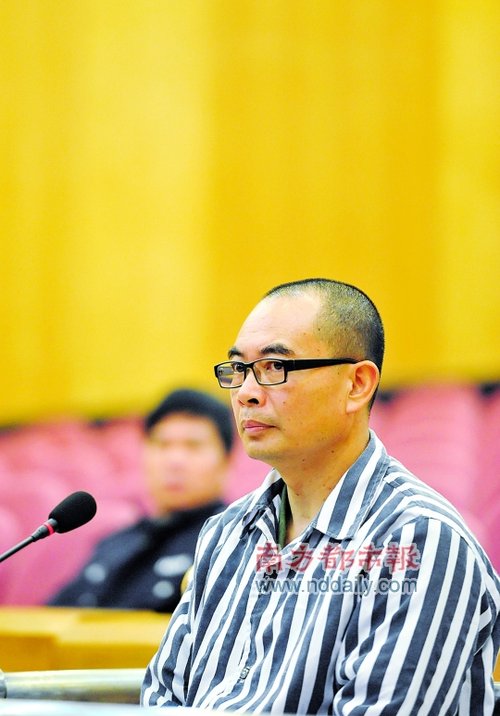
[(267, 372)]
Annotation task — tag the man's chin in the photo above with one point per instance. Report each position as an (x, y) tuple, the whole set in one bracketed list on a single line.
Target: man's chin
[(258, 451)]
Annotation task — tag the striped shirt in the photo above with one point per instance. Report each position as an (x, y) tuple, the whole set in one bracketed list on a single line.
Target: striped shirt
[(385, 604)]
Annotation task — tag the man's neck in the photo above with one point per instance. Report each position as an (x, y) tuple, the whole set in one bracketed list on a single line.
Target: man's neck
[(309, 488)]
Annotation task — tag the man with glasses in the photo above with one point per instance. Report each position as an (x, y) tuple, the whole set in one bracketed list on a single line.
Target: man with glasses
[(343, 584)]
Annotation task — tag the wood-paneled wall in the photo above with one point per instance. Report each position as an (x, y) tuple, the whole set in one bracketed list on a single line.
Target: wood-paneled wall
[(165, 162)]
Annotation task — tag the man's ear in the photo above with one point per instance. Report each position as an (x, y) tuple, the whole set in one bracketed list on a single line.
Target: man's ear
[(365, 378)]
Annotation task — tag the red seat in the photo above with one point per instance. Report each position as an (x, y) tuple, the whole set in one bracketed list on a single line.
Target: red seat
[(379, 416), (30, 497), (122, 440), (488, 483), (10, 535), (434, 432), (491, 521)]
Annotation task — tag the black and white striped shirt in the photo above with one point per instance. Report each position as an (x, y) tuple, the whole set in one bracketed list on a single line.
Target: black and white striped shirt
[(386, 604)]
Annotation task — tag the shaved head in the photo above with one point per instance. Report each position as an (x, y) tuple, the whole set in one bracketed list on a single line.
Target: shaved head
[(348, 320)]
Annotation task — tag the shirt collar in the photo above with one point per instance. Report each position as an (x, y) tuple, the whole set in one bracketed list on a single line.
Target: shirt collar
[(262, 499), (347, 506), (349, 503)]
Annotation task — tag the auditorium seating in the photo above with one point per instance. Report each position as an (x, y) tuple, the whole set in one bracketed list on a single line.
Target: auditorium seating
[(435, 432), (488, 485), (449, 435), (10, 534)]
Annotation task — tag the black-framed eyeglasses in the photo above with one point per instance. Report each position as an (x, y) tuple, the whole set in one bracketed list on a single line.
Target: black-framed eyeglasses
[(269, 371)]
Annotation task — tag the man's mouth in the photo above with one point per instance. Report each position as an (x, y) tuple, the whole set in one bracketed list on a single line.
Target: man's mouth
[(254, 426)]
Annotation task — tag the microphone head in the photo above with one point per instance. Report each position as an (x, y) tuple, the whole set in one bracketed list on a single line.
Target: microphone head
[(74, 511)]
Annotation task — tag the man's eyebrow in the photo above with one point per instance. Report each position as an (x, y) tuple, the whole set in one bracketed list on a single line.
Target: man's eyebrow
[(278, 348), (271, 349)]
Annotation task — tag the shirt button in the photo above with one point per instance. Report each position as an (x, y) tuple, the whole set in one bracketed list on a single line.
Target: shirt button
[(244, 672)]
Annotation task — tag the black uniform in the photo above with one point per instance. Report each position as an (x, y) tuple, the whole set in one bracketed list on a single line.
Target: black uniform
[(141, 566)]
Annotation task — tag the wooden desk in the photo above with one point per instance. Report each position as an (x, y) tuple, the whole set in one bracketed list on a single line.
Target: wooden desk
[(43, 638)]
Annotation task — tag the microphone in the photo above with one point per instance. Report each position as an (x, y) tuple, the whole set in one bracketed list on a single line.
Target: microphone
[(74, 511)]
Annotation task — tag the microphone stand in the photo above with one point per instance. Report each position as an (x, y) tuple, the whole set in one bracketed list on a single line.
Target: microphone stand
[(44, 530), (16, 548)]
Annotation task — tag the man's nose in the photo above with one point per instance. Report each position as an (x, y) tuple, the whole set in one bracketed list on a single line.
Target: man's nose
[(174, 455), (250, 390)]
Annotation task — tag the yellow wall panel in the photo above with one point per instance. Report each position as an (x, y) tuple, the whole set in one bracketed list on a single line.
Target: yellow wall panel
[(469, 308), (325, 160), (103, 300), (165, 163)]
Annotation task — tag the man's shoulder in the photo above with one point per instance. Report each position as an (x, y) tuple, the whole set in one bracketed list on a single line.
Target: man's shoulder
[(403, 498), (406, 500), (239, 513), (234, 513), (127, 533), (402, 487)]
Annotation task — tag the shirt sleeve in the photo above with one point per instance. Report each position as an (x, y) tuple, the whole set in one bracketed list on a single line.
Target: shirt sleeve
[(167, 676), (422, 638), (167, 673)]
